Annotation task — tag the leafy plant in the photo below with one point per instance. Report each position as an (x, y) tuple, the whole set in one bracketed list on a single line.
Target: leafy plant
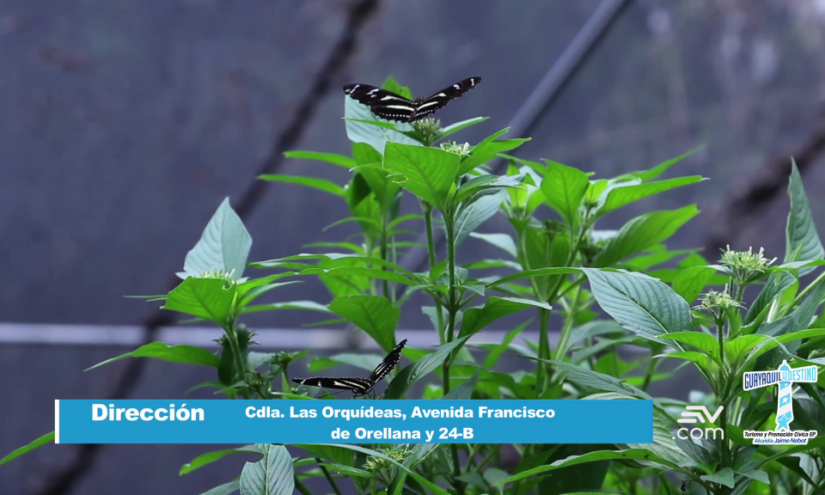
[(555, 260)]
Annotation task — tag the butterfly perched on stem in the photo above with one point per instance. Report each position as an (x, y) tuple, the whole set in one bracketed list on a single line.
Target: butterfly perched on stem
[(392, 106), (358, 386)]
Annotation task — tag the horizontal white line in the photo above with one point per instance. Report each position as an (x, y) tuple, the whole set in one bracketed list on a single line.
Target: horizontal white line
[(280, 338)]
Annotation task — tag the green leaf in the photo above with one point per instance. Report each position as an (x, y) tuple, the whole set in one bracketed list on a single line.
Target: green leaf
[(692, 281), (702, 341), (501, 241), (224, 246), (272, 475), (421, 368), (429, 173), (210, 457), (333, 158), (564, 188), (801, 235), (628, 192), (494, 308), (366, 362), (421, 479), (477, 213), (724, 477), (47, 438), (314, 183), (658, 170), (642, 233), (186, 354), (208, 298), (593, 379), (602, 455), (641, 304), (375, 315), (465, 390), (487, 150), (776, 284), (336, 454), (225, 489), (453, 128)]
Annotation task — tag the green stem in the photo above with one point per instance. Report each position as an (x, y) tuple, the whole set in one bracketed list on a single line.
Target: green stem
[(427, 208), (235, 347), (301, 486), (544, 351), (383, 249), (328, 477), (808, 289), (451, 314), (723, 421)]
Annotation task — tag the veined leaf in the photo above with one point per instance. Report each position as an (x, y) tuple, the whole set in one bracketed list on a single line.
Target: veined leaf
[(224, 246)]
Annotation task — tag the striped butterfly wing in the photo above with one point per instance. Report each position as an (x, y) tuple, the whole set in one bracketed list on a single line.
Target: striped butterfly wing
[(359, 386), (439, 100), (388, 363), (382, 103)]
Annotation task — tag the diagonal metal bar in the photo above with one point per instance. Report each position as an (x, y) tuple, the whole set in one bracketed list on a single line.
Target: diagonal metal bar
[(546, 93)]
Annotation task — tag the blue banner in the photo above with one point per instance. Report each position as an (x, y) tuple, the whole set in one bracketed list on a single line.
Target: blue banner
[(362, 421)]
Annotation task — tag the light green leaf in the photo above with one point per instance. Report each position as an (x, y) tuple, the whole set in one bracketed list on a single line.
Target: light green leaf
[(465, 390), (487, 150), (186, 354), (225, 489), (692, 281), (643, 232), (47, 438), (333, 158), (776, 284), (453, 128), (625, 193), (706, 343), (313, 182), (429, 173), (272, 475), (801, 234), (563, 188), (601, 455), (501, 241), (224, 246), (208, 298), (494, 308), (724, 477), (373, 135), (210, 457), (641, 304), (421, 368), (477, 213), (375, 315)]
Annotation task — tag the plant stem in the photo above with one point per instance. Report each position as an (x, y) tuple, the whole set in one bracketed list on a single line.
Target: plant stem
[(328, 477), (723, 420), (451, 315), (301, 486), (235, 346), (427, 208)]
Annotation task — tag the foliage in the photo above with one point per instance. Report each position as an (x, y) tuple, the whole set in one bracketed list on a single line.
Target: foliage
[(555, 260)]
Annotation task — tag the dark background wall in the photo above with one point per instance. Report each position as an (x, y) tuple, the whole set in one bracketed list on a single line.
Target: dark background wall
[(123, 125)]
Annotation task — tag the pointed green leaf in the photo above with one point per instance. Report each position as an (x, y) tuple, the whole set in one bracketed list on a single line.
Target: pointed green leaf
[(333, 158), (801, 233), (564, 188), (643, 232), (453, 128), (494, 308), (641, 304), (207, 298), (225, 489), (47, 438), (724, 477), (314, 183), (272, 475), (224, 246), (625, 193), (658, 170), (692, 281), (421, 368), (429, 173), (375, 315), (186, 354), (476, 214), (776, 284), (210, 457)]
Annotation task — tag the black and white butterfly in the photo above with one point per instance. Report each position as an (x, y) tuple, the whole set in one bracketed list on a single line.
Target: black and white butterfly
[(392, 106), (358, 386)]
